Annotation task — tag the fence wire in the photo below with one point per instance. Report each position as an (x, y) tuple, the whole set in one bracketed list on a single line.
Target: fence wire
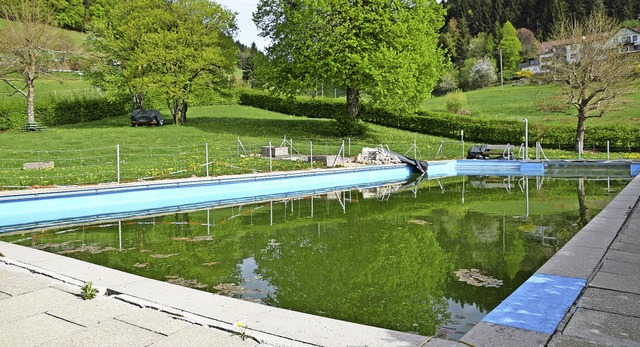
[(137, 163)]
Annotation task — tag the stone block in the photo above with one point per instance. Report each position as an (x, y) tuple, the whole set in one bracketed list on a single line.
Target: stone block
[(273, 151)]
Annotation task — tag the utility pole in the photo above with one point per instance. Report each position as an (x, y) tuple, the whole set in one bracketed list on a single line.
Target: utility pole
[(501, 73)]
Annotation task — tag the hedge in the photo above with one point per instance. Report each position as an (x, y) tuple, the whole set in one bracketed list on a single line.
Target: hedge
[(62, 111), (448, 125)]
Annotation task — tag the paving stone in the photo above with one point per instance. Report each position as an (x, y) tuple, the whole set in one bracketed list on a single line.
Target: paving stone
[(617, 282), (22, 283), (621, 268), (442, 343), (625, 247), (621, 256), (4, 296), (610, 301), (607, 328), (629, 237), (89, 313), (36, 330), (111, 333), (570, 341), (30, 304), (154, 320), (495, 335), (196, 335), (573, 261), (592, 239)]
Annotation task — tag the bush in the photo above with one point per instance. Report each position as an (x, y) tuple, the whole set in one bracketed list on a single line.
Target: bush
[(347, 126), (448, 125), (482, 73), (456, 101), (71, 110), (524, 74)]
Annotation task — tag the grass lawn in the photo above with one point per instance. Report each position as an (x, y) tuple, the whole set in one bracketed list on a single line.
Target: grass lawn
[(534, 102), (86, 153)]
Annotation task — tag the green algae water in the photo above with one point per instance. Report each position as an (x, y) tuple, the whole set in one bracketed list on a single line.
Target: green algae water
[(433, 259)]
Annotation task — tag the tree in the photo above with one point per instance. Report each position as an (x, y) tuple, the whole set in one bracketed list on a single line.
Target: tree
[(168, 47), (193, 49), (385, 48), (511, 50), (28, 47), (530, 45), (597, 73), (483, 73)]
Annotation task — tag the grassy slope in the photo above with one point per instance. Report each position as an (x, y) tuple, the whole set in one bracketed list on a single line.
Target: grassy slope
[(532, 101)]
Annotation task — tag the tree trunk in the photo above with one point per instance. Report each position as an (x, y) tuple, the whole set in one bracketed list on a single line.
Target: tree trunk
[(31, 96), (353, 102), (582, 119), (183, 112), (178, 111), (582, 203), (138, 101)]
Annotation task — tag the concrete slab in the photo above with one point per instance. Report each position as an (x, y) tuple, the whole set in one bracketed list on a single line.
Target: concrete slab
[(154, 320), (22, 283), (495, 335), (36, 330), (4, 296), (90, 313), (443, 343), (196, 336), (621, 256), (592, 239), (539, 304), (626, 247), (610, 301), (30, 304), (571, 341), (621, 268), (573, 261), (617, 282), (605, 328), (19, 253), (614, 222), (111, 333)]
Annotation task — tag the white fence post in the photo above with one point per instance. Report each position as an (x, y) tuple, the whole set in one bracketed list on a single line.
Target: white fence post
[(118, 161), (311, 153), (206, 156)]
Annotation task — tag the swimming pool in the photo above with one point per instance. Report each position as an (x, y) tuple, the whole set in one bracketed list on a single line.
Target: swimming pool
[(432, 258)]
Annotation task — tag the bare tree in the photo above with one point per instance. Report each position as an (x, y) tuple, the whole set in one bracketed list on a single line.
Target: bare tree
[(591, 68), (28, 46)]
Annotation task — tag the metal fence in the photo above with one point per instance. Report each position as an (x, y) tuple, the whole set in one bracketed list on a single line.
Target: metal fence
[(29, 168)]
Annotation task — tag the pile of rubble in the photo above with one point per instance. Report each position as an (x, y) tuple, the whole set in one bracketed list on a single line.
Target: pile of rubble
[(376, 156)]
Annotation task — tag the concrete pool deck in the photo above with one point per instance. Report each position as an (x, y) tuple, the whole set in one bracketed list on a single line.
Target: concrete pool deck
[(39, 302)]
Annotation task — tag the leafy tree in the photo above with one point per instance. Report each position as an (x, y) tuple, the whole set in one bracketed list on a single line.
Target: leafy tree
[(511, 50), (28, 47), (384, 48), (168, 47), (69, 14), (483, 73), (530, 44), (597, 74), (192, 49)]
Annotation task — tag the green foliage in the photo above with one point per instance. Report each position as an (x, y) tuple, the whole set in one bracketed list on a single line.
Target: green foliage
[(370, 47), (169, 50), (511, 50), (347, 126), (63, 110), (88, 292), (482, 130), (456, 101)]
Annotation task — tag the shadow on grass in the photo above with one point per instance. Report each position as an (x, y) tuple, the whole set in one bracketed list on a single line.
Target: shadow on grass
[(256, 127)]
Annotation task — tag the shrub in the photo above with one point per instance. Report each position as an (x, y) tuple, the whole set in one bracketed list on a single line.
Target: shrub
[(524, 74), (456, 101), (482, 73), (346, 126)]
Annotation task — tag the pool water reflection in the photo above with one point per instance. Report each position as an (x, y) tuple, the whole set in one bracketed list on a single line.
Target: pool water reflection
[(433, 260)]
